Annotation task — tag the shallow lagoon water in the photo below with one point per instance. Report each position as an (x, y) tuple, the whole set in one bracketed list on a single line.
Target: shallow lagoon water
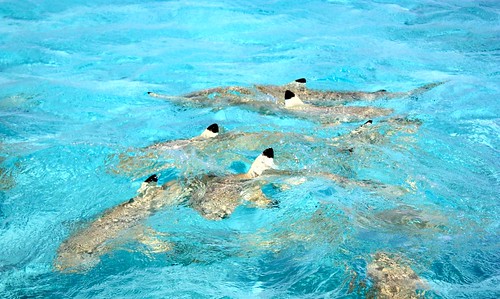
[(74, 78)]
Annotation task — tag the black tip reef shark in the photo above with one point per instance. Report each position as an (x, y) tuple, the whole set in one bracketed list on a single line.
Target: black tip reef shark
[(397, 129), (210, 132), (392, 278), (84, 248), (295, 149), (214, 197), (145, 160), (236, 95), (332, 98), (330, 114)]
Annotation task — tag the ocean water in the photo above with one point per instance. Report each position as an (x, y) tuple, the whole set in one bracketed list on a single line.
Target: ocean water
[(74, 77)]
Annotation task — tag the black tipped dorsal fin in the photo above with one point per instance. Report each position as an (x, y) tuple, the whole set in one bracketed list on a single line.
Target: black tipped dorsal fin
[(368, 122), (263, 162), (268, 152), (289, 95), (301, 80), (210, 132), (213, 128), (148, 184), (152, 179)]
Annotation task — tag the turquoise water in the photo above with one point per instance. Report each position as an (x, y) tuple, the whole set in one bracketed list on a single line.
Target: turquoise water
[(74, 78)]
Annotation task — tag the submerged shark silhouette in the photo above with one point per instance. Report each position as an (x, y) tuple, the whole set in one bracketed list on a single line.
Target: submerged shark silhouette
[(380, 132), (326, 107), (297, 151), (234, 95), (329, 114), (212, 196), (393, 278)]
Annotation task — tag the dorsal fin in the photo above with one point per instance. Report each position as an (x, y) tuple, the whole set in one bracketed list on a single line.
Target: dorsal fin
[(289, 95), (263, 162), (292, 100), (211, 131), (298, 84), (269, 152), (150, 182), (214, 128), (153, 178), (363, 127)]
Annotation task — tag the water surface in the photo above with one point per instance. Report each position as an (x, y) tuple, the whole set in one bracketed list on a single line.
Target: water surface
[(74, 77)]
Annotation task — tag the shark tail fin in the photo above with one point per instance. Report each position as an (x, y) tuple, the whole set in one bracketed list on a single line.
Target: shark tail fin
[(159, 96), (420, 90), (178, 99)]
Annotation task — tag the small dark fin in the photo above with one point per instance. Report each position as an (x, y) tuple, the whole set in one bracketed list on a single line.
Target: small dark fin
[(301, 80), (150, 92), (213, 128), (274, 204), (153, 178), (269, 152), (131, 200), (381, 90), (289, 95), (368, 122)]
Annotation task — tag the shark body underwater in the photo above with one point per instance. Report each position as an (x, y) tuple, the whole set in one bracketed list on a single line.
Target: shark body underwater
[(393, 278), (297, 150), (274, 93), (272, 99), (294, 149), (214, 197)]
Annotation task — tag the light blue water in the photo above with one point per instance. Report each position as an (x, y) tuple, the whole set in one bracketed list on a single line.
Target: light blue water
[(73, 83)]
